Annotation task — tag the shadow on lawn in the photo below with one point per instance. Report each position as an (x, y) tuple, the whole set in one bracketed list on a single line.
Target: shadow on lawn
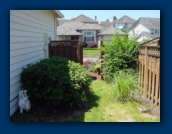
[(53, 114)]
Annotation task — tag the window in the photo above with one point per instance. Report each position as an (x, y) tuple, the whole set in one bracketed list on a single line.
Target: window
[(157, 31), (89, 36)]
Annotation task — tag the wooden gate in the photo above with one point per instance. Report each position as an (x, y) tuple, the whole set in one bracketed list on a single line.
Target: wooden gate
[(69, 49)]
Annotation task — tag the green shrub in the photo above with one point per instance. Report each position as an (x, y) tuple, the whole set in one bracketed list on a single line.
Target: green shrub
[(119, 53), (125, 83), (56, 81)]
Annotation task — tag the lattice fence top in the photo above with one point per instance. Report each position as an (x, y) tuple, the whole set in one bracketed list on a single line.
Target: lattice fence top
[(63, 43), (151, 50)]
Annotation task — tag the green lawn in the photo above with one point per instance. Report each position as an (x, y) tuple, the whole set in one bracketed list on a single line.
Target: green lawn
[(93, 53), (102, 108), (105, 109)]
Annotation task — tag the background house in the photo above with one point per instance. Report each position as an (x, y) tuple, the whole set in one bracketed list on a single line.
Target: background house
[(80, 28), (145, 28), (30, 31), (108, 33), (124, 22)]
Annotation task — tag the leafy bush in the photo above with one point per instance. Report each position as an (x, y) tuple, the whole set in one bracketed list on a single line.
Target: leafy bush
[(56, 81), (125, 83), (119, 53)]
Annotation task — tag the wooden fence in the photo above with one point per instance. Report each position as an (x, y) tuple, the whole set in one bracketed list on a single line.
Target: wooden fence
[(149, 72), (69, 49)]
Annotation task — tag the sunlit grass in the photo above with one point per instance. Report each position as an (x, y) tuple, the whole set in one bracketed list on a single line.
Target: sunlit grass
[(107, 110), (94, 53)]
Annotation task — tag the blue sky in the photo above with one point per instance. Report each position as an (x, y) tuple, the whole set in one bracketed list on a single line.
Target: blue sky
[(103, 15)]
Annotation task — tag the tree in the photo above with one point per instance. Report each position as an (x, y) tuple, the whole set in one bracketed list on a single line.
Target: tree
[(114, 18), (107, 20)]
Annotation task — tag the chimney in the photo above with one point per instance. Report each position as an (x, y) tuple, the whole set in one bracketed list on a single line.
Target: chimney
[(95, 18)]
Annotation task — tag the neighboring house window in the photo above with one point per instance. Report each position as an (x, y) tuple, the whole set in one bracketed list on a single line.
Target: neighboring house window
[(89, 36), (126, 25), (157, 31), (152, 31)]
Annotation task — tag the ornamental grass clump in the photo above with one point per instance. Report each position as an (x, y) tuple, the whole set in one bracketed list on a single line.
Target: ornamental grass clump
[(125, 83)]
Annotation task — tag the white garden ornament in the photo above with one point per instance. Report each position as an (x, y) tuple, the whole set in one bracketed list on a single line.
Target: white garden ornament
[(24, 103)]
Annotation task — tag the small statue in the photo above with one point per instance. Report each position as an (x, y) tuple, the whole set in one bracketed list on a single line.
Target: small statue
[(24, 102)]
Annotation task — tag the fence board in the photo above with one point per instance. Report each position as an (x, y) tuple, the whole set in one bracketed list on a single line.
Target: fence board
[(69, 49), (149, 72)]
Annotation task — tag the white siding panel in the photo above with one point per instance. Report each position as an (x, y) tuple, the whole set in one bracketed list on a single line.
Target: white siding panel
[(26, 45), (13, 105), (25, 39), (14, 33), (25, 62), (18, 59), (30, 28), (15, 94), (27, 29), (15, 80), (25, 51)]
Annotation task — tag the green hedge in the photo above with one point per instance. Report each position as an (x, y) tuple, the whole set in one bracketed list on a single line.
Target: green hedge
[(56, 81)]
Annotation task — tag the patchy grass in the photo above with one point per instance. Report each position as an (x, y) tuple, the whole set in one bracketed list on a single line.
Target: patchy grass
[(103, 108), (107, 110), (91, 52)]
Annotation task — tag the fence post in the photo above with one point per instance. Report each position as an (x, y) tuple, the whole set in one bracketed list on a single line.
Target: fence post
[(101, 56), (146, 71), (80, 53)]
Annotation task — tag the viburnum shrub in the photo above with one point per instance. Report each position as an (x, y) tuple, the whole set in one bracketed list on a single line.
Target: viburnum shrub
[(56, 81), (119, 53)]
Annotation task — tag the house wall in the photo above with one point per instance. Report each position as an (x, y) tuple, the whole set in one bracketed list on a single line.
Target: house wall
[(27, 44), (138, 29), (123, 25), (141, 38), (63, 37)]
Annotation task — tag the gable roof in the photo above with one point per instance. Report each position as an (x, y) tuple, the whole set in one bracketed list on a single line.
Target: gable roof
[(85, 19), (91, 27), (106, 24), (124, 19), (69, 28), (59, 14), (148, 35), (111, 31), (150, 23), (63, 21)]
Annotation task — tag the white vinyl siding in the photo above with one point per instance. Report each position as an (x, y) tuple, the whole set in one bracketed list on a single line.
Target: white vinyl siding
[(27, 43), (138, 29)]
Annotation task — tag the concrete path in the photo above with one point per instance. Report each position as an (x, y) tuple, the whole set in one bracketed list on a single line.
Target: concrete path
[(90, 59)]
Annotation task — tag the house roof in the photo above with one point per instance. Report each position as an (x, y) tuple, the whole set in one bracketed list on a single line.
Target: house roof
[(111, 31), (59, 14), (85, 19), (150, 23), (91, 27), (148, 35), (124, 19), (106, 24), (69, 28), (63, 21), (150, 42)]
